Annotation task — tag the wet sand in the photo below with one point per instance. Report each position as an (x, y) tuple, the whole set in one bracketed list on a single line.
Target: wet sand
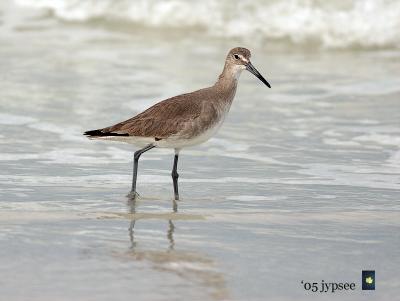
[(301, 182)]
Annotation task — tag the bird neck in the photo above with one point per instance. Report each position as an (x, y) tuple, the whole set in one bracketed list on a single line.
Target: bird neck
[(227, 83), (229, 77)]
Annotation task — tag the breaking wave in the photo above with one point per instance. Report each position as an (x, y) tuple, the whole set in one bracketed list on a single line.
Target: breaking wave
[(333, 24)]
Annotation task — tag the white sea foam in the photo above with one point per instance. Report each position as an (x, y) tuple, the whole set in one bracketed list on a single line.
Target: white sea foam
[(254, 198), (394, 159), (10, 119), (343, 23), (379, 139), (71, 133), (333, 141)]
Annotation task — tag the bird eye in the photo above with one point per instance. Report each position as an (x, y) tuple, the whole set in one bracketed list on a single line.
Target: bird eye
[(236, 56)]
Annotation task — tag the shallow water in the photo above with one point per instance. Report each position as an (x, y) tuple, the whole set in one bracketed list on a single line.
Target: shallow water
[(301, 183)]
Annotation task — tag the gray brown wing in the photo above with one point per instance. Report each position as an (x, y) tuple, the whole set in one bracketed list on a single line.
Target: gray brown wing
[(162, 120)]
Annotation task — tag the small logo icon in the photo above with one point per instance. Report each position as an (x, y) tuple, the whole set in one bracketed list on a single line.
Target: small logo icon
[(368, 280)]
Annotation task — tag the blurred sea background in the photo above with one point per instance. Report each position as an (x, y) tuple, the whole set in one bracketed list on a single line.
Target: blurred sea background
[(302, 182)]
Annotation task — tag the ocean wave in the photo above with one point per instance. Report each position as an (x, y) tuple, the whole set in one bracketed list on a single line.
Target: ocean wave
[(332, 24)]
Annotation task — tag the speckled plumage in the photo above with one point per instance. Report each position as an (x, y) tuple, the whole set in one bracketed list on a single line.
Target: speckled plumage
[(183, 117), (184, 120)]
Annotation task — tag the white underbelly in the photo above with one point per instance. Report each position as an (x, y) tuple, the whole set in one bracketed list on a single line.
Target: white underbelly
[(135, 140), (174, 141), (179, 142), (181, 139)]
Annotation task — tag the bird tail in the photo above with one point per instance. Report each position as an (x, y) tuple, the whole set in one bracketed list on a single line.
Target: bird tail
[(94, 133), (102, 133)]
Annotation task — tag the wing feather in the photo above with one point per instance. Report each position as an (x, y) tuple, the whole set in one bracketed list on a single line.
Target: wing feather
[(162, 120)]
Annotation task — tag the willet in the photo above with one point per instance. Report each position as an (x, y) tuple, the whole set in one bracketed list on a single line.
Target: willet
[(184, 120)]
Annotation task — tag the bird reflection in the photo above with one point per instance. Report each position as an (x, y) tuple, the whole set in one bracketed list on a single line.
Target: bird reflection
[(171, 226), (170, 235), (192, 266)]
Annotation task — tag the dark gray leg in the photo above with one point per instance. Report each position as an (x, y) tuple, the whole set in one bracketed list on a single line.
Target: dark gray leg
[(136, 157), (175, 176)]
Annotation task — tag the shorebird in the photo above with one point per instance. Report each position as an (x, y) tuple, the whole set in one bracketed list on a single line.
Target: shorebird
[(184, 120)]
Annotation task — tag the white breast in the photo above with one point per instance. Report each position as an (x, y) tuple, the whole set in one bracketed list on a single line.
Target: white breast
[(178, 142)]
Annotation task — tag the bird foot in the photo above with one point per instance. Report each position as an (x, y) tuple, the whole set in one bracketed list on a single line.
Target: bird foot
[(133, 195)]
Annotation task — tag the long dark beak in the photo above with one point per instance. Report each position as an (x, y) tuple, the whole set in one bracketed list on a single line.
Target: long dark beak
[(253, 70)]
